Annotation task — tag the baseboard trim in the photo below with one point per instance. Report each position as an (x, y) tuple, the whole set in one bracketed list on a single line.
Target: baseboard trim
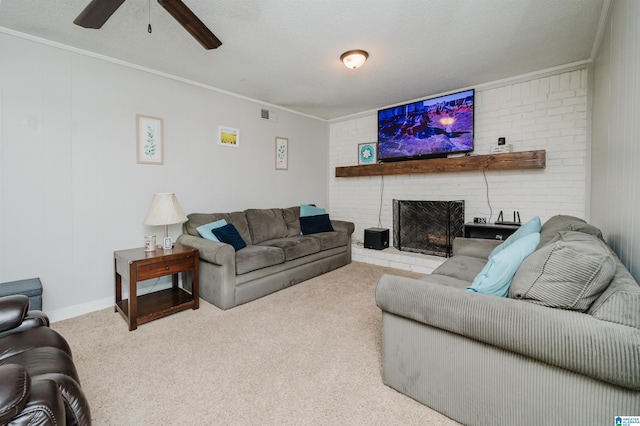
[(95, 305), (81, 309)]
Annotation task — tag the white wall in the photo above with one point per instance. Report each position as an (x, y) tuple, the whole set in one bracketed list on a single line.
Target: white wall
[(71, 191), (547, 113), (616, 126)]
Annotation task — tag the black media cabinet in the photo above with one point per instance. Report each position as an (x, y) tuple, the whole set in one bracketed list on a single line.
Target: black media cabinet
[(489, 231)]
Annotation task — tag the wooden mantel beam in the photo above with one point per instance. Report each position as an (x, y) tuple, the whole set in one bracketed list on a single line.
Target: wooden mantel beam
[(505, 161)]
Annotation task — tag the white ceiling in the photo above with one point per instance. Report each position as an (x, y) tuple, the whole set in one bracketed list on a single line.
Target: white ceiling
[(286, 52)]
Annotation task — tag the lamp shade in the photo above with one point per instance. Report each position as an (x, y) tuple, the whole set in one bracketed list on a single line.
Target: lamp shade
[(165, 210)]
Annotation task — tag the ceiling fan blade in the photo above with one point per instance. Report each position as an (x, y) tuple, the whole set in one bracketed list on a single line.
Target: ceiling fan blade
[(97, 13), (191, 23)]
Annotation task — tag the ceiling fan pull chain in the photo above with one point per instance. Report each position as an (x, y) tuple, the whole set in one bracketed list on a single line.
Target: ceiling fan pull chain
[(149, 26)]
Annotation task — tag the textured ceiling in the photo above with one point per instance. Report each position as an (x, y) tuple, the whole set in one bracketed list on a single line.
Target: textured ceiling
[(286, 52)]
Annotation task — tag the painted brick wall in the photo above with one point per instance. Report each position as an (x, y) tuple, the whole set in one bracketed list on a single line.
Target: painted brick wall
[(547, 112)]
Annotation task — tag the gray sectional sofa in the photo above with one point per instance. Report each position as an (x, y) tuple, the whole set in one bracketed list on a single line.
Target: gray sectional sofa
[(276, 255), (562, 348)]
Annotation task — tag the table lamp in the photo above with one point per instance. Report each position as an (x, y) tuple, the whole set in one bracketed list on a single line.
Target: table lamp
[(165, 210)]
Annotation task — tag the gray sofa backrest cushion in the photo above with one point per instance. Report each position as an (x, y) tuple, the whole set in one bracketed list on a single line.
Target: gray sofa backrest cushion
[(266, 224), (291, 217), (620, 302), (559, 223), (569, 273), (238, 220)]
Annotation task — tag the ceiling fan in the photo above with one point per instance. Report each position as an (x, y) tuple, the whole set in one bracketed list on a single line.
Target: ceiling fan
[(99, 11)]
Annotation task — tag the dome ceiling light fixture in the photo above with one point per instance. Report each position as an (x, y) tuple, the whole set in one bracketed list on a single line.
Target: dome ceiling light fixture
[(354, 58)]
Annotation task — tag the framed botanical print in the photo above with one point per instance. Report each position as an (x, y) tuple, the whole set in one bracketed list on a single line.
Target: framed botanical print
[(282, 153), (149, 140)]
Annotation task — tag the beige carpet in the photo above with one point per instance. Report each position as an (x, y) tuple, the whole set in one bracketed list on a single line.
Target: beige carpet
[(306, 355)]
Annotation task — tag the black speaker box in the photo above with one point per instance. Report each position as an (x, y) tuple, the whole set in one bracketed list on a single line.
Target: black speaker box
[(376, 238)]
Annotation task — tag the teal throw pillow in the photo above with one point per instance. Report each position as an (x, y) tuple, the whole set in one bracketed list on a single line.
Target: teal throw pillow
[(533, 226), (495, 278), (308, 210), (205, 230), (229, 234)]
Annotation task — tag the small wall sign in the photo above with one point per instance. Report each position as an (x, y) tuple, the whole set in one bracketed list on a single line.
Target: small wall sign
[(367, 153)]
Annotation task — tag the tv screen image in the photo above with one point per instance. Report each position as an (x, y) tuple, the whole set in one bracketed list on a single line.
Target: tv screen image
[(429, 128)]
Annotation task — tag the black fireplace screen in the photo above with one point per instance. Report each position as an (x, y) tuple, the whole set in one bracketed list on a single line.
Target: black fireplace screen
[(427, 227)]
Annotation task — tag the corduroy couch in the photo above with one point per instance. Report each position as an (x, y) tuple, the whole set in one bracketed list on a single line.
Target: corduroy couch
[(562, 348), (276, 255)]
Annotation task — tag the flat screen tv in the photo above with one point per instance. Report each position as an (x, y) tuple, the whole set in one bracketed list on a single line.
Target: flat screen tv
[(427, 129)]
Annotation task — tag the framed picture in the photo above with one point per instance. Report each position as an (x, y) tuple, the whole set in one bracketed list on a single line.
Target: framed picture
[(228, 136), (149, 140), (282, 153), (367, 153), (166, 244)]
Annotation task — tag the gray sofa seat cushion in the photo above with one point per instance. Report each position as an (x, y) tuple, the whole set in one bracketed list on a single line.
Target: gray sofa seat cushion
[(329, 240), (569, 273), (295, 247), (559, 223), (446, 281), (253, 257), (474, 247), (237, 219), (461, 267), (266, 224), (620, 302)]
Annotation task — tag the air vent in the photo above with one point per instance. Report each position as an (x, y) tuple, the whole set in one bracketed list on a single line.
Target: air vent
[(268, 115)]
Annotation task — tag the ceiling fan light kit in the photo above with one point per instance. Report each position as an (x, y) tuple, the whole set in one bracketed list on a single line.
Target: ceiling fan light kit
[(98, 12), (354, 58)]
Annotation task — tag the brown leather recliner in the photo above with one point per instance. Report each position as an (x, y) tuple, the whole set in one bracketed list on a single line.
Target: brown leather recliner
[(39, 384)]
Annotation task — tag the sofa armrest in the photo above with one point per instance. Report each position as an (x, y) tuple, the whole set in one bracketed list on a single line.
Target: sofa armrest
[(211, 251), (343, 226), (33, 319), (13, 310), (567, 339), (78, 411), (474, 247), (36, 319), (15, 387), (14, 317)]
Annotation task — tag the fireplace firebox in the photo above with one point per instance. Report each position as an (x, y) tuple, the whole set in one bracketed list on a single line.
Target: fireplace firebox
[(427, 227)]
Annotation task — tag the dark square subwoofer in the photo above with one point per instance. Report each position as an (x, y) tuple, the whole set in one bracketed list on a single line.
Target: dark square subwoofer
[(376, 238)]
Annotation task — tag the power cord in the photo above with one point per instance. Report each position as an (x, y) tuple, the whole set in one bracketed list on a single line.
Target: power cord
[(488, 202), (153, 286), (380, 208)]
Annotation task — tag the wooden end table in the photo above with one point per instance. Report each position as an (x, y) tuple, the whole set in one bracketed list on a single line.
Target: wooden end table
[(137, 265)]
